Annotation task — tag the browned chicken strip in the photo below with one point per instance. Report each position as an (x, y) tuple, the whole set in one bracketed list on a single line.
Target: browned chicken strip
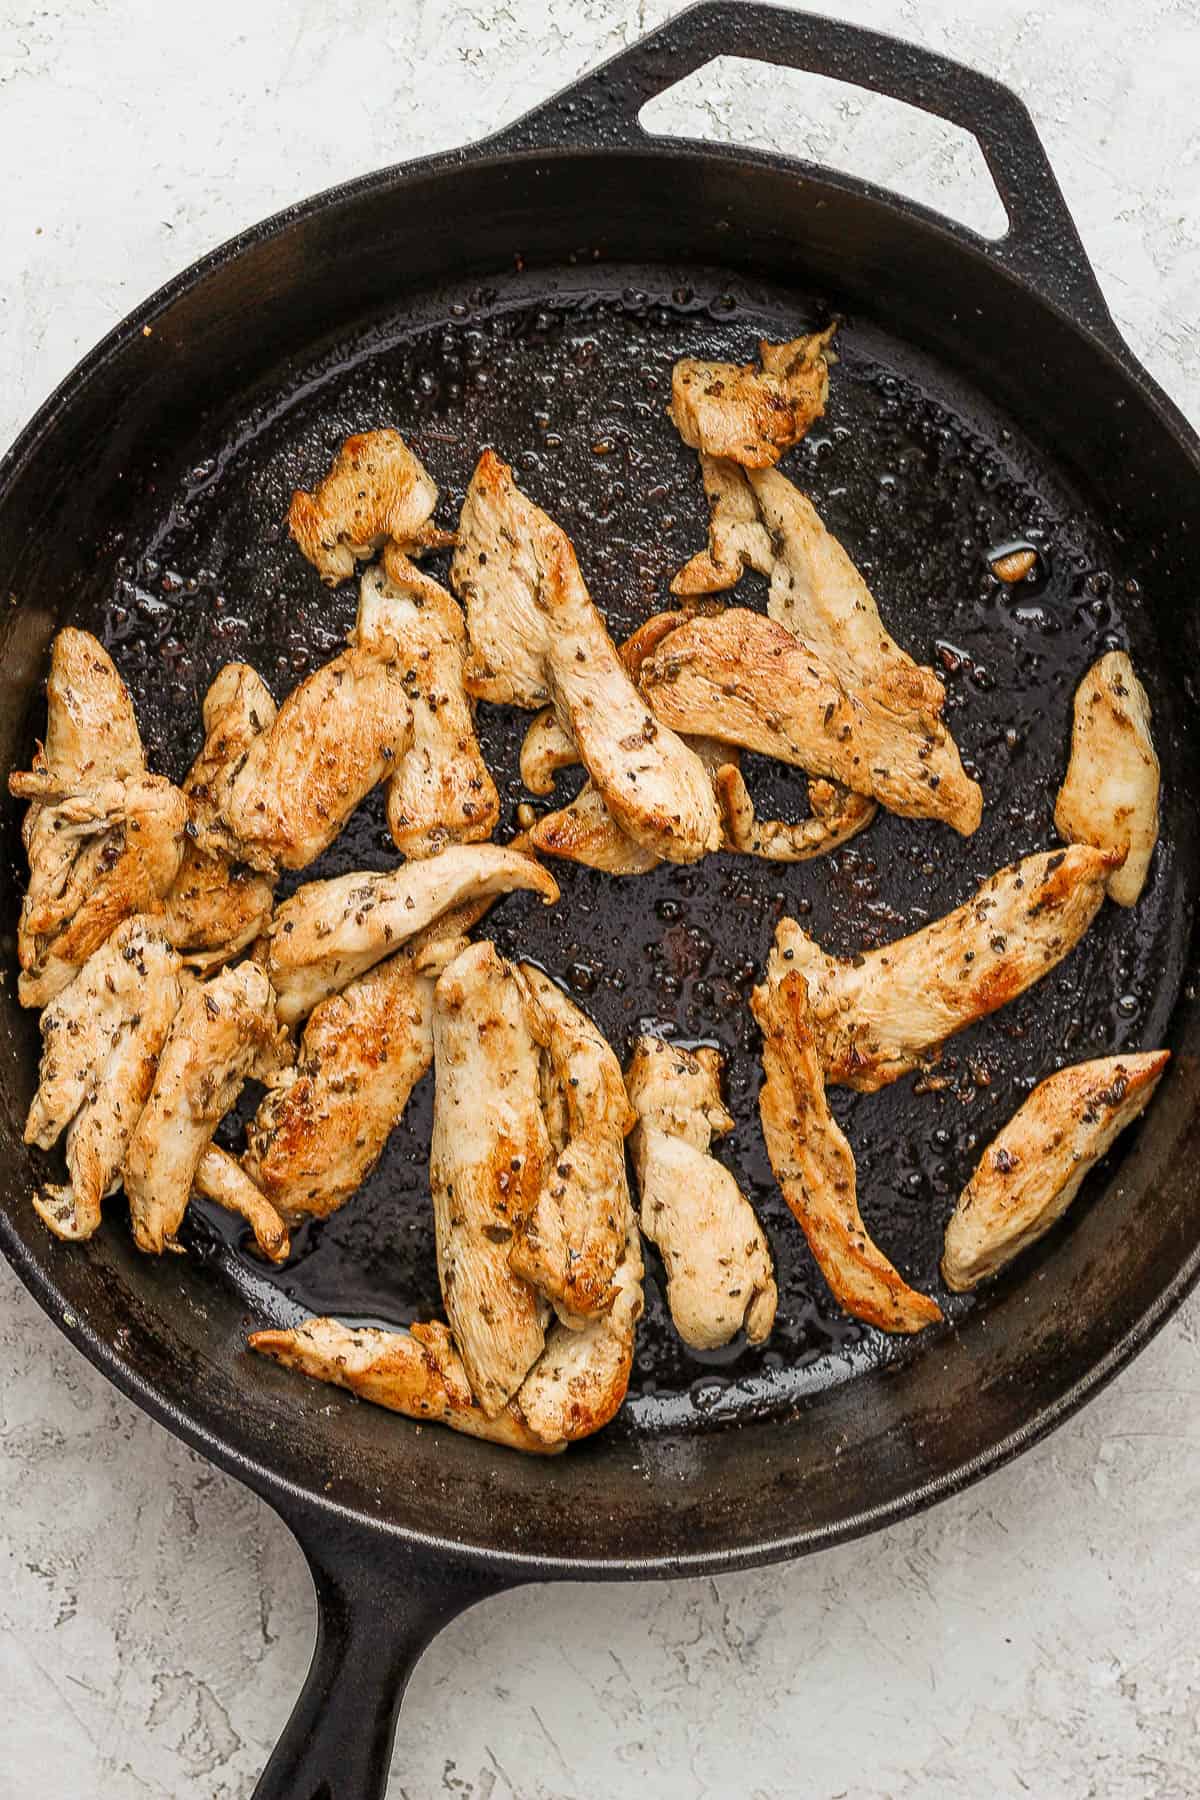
[(1030, 1173), (489, 1157), (442, 791), (214, 908), (737, 537), (748, 681), (890, 1011), (98, 855), (569, 1243), (417, 1372), (578, 1383), (753, 414), (335, 737), (814, 1165), (537, 637), (225, 1030), (375, 492), (720, 1278), (320, 1131), (91, 732), (220, 1177), (836, 816), (1110, 795), (101, 1039), (329, 932)]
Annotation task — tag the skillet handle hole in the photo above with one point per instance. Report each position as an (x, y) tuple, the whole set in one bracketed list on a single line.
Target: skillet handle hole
[(838, 126)]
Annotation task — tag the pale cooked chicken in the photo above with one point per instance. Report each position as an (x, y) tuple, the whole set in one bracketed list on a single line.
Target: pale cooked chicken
[(321, 1130), (751, 414), (214, 908), (814, 1165), (375, 492), (889, 1011), (224, 1031), (335, 737), (91, 732), (720, 1278), (329, 932), (99, 854), (417, 1372), (570, 1241), (748, 681), (1030, 1173), (488, 1160), (220, 1177), (537, 637), (101, 1038), (1110, 795), (578, 1383), (836, 816), (737, 537), (442, 791)]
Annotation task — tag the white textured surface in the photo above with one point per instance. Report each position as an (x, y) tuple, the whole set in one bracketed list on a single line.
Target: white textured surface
[(1037, 1636)]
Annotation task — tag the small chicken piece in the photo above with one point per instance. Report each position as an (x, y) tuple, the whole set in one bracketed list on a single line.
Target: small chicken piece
[(220, 1177), (335, 737), (101, 1038), (720, 1278), (225, 1030), (98, 854), (329, 932), (746, 680), (814, 1165), (752, 415), (569, 1243), (578, 1383), (546, 749), (375, 492), (442, 791), (836, 816), (489, 1158), (891, 1010), (91, 731), (1030, 1173), (321, 1130), (584, 831), (213, 908), (418, 1373), (737, 538), (1110, 795), (537, 637)]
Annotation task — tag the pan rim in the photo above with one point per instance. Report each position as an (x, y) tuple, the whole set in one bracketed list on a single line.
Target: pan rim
[(292, 1500)]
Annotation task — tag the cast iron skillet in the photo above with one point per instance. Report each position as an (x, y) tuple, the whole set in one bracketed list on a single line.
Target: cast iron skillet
[(533, 291)]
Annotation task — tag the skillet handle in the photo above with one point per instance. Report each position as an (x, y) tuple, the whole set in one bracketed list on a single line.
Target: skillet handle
[(1042, 245), (376, 1613)]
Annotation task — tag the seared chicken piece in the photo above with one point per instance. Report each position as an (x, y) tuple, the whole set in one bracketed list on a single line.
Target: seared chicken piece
[(581, 1378), (537, 637), (375, 492), (1029, 1174), (752, 415), (488, 1160), (214, 909), (220, 1177), (814, 1165), (417, 1372), (329, 932), (719, 1272), (836, 816), (737, 538), (891, 1010), (570, 1241), (224, 1031), (746, 680), (335, 737), (91, 732), (320, 1131), (1110, 795), (584, 831), (101, 1039), (98, 854), (442, 791)]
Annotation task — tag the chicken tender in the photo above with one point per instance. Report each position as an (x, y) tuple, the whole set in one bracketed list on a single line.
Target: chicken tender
[(1110, 795)]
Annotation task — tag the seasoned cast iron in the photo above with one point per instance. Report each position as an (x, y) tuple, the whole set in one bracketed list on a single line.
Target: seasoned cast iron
[(533, 292)]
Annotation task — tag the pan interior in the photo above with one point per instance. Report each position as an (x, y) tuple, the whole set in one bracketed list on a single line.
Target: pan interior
[(567, 373)]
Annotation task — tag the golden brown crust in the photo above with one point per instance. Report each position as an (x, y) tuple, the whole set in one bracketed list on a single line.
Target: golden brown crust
[(1110, 795), (374, 492), (753, 414)]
